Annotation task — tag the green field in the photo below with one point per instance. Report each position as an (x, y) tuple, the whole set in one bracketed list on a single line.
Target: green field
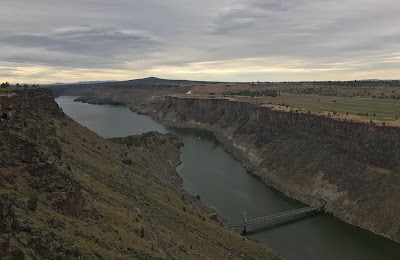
[(384, 109)]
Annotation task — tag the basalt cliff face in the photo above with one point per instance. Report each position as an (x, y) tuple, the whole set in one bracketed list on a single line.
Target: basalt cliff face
[(355, 167), (66, 193)]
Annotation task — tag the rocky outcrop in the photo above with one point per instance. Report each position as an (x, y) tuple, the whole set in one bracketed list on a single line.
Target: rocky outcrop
[(162, 149), (7, 217), (355, 167), (99, 102), (72, 202), (151, 139)]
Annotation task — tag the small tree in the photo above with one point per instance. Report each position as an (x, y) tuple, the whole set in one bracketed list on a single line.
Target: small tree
[(32, 202), (5, 85), (142, 232)]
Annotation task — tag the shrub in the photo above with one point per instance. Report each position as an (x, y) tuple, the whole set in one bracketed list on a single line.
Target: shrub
[(142, 232), (32, 202), (127, 161)]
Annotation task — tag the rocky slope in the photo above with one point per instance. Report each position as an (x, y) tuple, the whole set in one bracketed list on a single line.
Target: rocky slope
[(66, 193), (355, 167), (163, 149)]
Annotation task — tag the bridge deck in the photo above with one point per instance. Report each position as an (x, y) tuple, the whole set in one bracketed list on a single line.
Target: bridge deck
[(283, 215)]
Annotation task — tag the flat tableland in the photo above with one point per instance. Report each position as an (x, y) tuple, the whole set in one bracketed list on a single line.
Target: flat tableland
[(370, 102)]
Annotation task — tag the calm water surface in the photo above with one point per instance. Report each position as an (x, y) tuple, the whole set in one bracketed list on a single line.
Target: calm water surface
[(207, 170)]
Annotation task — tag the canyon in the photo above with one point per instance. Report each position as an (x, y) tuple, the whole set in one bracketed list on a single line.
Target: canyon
[(353, 166)]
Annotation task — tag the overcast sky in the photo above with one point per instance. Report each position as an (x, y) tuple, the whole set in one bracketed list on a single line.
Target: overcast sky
[(228, 40)]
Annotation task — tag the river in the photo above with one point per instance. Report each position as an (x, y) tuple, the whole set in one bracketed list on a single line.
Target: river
[(207, 170)]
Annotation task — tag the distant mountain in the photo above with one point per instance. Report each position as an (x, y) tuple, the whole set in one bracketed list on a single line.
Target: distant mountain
[(144, 81), (370, 80), (77, 83), (154, 80)]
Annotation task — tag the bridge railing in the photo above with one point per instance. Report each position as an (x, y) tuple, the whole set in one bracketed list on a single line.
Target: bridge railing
[(283, 215)]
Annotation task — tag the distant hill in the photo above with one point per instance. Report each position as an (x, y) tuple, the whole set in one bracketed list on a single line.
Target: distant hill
[(370, 80), (160, 81), (89, 82), (144, 81), (76, 83), (154, 80)]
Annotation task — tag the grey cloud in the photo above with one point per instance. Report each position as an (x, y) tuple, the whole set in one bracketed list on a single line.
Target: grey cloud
[(141, 35), (298, 29), (62, 60), (85, 41), (242, 14), (275, 5), (231, 25), (6, 72)]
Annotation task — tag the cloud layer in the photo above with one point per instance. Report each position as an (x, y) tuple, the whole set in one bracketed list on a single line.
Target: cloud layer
[(236, 40)]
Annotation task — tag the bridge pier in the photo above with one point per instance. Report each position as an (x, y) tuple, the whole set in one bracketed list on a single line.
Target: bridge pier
[(244, 222), (244, 232)]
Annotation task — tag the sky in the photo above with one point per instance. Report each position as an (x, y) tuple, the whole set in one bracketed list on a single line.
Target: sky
[(49, 41)]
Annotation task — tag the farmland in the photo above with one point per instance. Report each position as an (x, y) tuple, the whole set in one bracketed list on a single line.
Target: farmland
[(369, 102)]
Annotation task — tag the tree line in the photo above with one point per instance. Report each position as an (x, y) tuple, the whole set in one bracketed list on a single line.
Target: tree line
[(261, 93), (8, 85)]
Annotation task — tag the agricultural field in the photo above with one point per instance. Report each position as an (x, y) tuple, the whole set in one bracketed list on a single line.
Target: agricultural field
[(380, 111), (364, 89), (369, 102)]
